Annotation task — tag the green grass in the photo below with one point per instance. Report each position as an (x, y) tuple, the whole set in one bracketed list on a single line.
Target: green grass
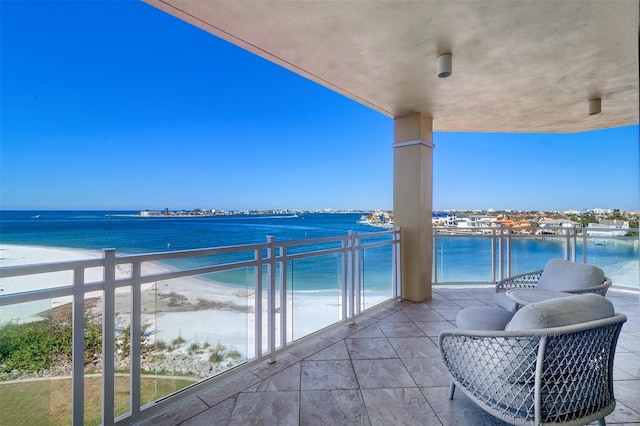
[(49, 401)]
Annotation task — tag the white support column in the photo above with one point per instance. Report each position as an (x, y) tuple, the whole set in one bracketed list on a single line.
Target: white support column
[(412, 201)]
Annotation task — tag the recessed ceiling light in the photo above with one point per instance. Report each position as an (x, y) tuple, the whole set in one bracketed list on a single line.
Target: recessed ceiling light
[(595, 106)]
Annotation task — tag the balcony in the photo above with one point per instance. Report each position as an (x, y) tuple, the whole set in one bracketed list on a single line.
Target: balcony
[(121, 333), (383, 369), (372, 360)]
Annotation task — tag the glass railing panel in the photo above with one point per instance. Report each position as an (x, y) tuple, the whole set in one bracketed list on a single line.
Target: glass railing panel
[(35, 363), (36, 282), (93, 368), (463, 259), (198, 328), (277, 295), (618, 258), (252, 299), (190, 262), (122, 350), (530, 253), (376, 273), (315, 291)]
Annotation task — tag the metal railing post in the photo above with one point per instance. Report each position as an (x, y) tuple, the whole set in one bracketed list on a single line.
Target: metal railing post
[(493, 256), (395, 266), (346, 268), (584, 245), (508, 252), (434, 242), (271, 300), (500, 254), (357, 275), (257, 294), (108, 338), (283, 299)]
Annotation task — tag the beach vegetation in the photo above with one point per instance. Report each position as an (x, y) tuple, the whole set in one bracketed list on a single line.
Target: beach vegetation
[(92, 339), (178, 341), (45, 344), (217, 353), (123, 341), (195, 349), (587, 218), (220, 352), (161, 346), (633, 223), (234, 354)]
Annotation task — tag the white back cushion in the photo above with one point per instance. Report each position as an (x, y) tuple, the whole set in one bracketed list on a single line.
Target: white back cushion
[(560, 275)]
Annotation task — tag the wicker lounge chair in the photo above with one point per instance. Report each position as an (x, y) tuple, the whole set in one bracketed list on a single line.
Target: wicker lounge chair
[(552, 364), (558, 275)]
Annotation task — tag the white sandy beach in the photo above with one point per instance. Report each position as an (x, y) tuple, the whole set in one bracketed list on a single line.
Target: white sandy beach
[(195, 310)]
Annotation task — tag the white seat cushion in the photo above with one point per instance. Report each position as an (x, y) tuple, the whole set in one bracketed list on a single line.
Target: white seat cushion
[(482, 318)]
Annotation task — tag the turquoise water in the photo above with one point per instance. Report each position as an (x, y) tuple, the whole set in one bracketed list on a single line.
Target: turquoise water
[(130, 234), (459, 259)]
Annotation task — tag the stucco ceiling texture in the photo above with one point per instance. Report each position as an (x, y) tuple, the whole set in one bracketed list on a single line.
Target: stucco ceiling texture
[(518, 65)]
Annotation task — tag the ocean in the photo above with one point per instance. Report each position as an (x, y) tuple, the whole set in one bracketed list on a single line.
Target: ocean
[(122, 230), (459, 259)]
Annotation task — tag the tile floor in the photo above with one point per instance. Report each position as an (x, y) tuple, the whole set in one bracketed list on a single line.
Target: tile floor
[(383, 370)]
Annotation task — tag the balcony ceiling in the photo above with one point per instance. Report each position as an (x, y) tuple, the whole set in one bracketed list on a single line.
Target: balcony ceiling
[(518, 65)]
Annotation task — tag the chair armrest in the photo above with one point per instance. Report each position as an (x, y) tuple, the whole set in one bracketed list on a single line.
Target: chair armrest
[(597, 289), (526, 280)]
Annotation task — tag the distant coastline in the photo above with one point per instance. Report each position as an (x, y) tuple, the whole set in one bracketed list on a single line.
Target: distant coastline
[(215, 212)]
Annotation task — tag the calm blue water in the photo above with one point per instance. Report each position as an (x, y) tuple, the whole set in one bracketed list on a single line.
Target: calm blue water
[(469, 259), (459, 259)]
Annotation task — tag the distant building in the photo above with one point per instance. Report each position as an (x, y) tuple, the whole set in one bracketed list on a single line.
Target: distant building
[(608, 228), (601, 211), (477, 221), (454, 221), (545, 225)]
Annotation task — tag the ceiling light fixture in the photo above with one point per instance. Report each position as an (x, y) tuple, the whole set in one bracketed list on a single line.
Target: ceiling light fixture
[(444, 65), (595, 106)]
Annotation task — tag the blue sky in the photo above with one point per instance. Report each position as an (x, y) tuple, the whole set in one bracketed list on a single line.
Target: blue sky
[(117, 105)]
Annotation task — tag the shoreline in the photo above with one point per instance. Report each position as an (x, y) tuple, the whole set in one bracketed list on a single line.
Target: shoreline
[(189, 308)]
